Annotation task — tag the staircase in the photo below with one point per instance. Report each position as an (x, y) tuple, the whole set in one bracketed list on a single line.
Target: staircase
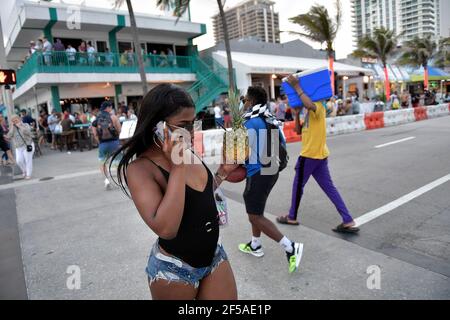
[(212, 80)]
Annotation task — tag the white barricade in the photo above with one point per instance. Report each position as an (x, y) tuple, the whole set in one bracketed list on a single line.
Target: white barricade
[(345, 124), (437, 111), (366, 107), (396, 117)]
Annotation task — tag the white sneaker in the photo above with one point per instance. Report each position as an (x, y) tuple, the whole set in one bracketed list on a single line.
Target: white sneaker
[(107, 184)]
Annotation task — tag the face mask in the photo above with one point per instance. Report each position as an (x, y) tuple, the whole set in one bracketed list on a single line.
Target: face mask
[(241, 106)]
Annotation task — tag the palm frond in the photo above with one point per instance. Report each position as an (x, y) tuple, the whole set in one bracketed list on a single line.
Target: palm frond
[(318, 26)]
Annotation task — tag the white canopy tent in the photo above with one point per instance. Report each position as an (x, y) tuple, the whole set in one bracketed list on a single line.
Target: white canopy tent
[(247, 65)]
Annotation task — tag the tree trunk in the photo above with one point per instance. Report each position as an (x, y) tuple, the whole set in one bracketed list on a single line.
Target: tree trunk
[(425, 77), (137, 47), (387, 84), (227, 46), (331, 68)]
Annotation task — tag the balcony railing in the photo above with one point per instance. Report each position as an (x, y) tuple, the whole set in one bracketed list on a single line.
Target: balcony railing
[(81, 62)]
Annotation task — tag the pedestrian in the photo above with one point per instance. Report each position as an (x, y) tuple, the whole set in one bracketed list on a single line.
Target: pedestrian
[(356, 107), (26, 118), (259, 185), (176, 200), (313, 161), (21, 135), (130, 57), (280, 110), (331, 107), (227, 116), (47, 51), (53, 121), (58, 45), (7, 157), (71, 53), (218, 116), (109, 58), (82, 48), (32, 48), (405, 97), (106, 131), (171, 57), (163, 59), (91, 53)]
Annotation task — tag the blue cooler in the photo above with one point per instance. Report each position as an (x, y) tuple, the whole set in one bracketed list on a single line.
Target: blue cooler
[(315, 83)]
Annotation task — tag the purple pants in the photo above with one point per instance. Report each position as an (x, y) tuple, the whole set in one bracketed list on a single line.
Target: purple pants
[(306, 167)]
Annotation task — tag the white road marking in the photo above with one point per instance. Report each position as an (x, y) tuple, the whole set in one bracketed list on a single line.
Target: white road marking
[(369, 216), (394, 142), (23, 183)]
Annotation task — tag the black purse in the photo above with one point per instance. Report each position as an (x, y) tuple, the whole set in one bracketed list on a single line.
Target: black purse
[(29, 147)]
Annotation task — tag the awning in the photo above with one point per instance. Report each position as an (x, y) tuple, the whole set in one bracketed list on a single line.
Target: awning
[(435, 74), (395, 72), (268, 64)]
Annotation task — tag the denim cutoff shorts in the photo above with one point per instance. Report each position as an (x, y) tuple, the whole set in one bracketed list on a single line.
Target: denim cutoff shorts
[(163, 267)]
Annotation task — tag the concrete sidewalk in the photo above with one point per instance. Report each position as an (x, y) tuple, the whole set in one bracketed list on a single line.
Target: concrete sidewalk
[(102, 233)]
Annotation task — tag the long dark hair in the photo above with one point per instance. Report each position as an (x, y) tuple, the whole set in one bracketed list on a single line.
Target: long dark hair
[(161, 102)]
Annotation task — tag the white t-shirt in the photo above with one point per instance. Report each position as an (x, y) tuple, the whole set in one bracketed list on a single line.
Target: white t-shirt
[(217, 112), (71, 53), (47, 46)]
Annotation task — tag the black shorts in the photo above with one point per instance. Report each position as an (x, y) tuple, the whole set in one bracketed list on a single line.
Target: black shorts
[(257, 190), (4, 146)]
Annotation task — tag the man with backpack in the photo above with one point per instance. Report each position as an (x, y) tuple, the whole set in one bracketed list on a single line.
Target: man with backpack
[(260, 180), (106, 130), (313, 161)]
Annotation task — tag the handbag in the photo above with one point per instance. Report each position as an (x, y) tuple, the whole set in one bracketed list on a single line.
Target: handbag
[(29, 147)]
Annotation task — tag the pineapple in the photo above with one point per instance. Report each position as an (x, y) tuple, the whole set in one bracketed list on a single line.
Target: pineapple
[(235, 141)]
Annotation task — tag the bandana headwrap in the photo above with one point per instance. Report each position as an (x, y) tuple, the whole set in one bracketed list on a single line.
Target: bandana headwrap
[(263, 112)]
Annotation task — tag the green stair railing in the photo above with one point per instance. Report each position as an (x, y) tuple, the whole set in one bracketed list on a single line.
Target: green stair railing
[(212, 80)]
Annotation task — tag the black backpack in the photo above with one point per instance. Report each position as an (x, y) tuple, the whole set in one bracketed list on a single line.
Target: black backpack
[(283, 157), (105, 127)]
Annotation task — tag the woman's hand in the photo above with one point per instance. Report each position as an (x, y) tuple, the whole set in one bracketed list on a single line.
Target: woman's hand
[(173, 148), (293, 81), (225, 169)]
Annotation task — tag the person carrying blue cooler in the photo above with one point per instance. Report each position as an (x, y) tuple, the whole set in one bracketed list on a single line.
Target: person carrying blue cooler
[(313, 161)]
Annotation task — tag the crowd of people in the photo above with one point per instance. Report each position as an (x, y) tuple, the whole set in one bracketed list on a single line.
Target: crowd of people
[(29, 136), (87, 54), (336, 106)]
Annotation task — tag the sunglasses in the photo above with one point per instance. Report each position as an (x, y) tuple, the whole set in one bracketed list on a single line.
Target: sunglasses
[(188, 126)]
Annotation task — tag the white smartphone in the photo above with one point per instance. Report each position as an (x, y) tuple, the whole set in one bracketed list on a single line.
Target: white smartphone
[(159, 131)]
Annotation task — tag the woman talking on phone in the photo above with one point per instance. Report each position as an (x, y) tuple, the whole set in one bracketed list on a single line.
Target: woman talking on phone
[(176, 200)]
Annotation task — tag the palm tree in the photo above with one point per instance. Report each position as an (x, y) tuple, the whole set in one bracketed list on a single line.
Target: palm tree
[(381, 45), (320, 27), (180, 7), (137, 46), (442, 58), (418, 52)]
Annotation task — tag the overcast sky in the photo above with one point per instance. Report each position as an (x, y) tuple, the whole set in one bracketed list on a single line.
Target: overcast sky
[(203, 10)]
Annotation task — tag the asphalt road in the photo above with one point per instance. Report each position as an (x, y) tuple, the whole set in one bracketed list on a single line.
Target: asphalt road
[(368, 178), (70, 223)]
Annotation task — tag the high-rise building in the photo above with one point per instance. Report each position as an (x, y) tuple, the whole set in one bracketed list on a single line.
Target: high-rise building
[(250, 19), (409, 18)]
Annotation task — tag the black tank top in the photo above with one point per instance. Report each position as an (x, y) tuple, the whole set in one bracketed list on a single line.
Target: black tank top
[(198, 234)]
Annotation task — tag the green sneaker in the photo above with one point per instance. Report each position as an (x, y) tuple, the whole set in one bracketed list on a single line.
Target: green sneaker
[(247, 248), (295, 256)]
